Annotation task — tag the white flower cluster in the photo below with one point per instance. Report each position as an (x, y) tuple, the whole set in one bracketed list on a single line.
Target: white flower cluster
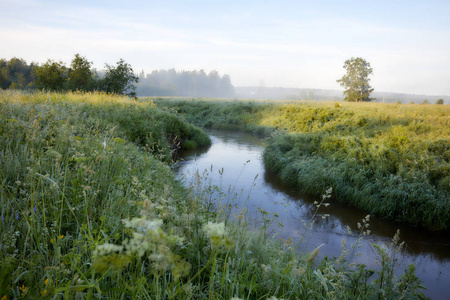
[(106, 249), (217, 236), (216, 230), (143, 225)]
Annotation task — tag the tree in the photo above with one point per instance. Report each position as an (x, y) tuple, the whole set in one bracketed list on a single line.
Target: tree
[(440, 101), (5, 80), (80, 75), (17, 71), (356, 81), (119, 79), (51, 76)]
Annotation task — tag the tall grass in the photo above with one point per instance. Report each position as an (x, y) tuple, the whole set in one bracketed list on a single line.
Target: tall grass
[(91, 209), (391, 160)]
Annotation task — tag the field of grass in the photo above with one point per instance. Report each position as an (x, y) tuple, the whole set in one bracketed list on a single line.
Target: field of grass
[(90, 208), (392, 160)]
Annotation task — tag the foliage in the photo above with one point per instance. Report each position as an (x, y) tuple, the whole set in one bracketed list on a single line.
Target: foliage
[(80, 75), (119, 80), (51, 76), (388, 159), (17, 74), (440, 101), (356, 81), (87, 213)]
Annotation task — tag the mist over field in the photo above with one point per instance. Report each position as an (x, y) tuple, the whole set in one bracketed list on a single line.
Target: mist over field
[(283, 44), (282, 93)]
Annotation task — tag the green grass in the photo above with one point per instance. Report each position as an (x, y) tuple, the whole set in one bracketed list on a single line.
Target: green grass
[(391, 160), (90, 208)]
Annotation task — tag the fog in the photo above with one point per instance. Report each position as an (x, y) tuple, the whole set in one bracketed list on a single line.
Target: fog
[(292, 44)]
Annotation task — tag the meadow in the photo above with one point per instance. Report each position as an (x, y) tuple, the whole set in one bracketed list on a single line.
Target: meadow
[(90, 208), (391, 160)]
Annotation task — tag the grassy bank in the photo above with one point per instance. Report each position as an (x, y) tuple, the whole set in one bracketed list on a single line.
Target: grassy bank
[(91, 209), (391, 160)]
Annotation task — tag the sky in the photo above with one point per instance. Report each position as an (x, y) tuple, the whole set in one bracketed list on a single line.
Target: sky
[(295, 44)]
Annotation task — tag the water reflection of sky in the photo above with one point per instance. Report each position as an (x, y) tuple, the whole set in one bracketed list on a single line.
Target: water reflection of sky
[(234, 164)]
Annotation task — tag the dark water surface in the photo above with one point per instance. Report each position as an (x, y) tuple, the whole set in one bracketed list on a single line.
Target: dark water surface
[(234, 161)]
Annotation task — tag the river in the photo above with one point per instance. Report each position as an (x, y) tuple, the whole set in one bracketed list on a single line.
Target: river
[(234, 163)]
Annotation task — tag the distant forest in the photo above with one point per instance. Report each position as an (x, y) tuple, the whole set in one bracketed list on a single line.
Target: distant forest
[(185, 84), (16, 73)]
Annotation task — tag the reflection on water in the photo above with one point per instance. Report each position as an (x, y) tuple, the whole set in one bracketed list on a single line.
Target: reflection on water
[(234, 162)]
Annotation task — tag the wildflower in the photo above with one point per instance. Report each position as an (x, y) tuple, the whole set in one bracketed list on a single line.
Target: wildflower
[(23, 289), (266, 269), (298, 271), (43, 293), (241, 216), (349, 231), (144, 225), (216, 233), (214, 229), (4, 298), (61, 237), (106, 249), (52, 240), (17, 216), (46, 281), (313, 255), (3, 219)]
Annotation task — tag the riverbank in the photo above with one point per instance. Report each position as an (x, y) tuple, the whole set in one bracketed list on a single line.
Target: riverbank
[(91, 208), (391, 160)]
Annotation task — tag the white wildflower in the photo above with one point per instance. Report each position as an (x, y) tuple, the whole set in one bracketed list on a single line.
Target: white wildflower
[(106, 249), (214, 229), (144, 225)]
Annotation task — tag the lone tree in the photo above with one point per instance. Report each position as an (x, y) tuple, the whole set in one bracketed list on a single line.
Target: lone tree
[(356, 81)]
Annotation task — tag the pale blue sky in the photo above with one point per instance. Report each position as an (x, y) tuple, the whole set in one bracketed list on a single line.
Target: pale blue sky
[(283, 43)]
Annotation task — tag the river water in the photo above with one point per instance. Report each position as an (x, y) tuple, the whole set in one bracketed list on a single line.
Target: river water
[(234, 163)]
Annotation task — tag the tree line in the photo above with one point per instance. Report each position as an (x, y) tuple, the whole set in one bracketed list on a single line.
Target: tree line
[(55, 76), (16, 73), (185, 84)]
